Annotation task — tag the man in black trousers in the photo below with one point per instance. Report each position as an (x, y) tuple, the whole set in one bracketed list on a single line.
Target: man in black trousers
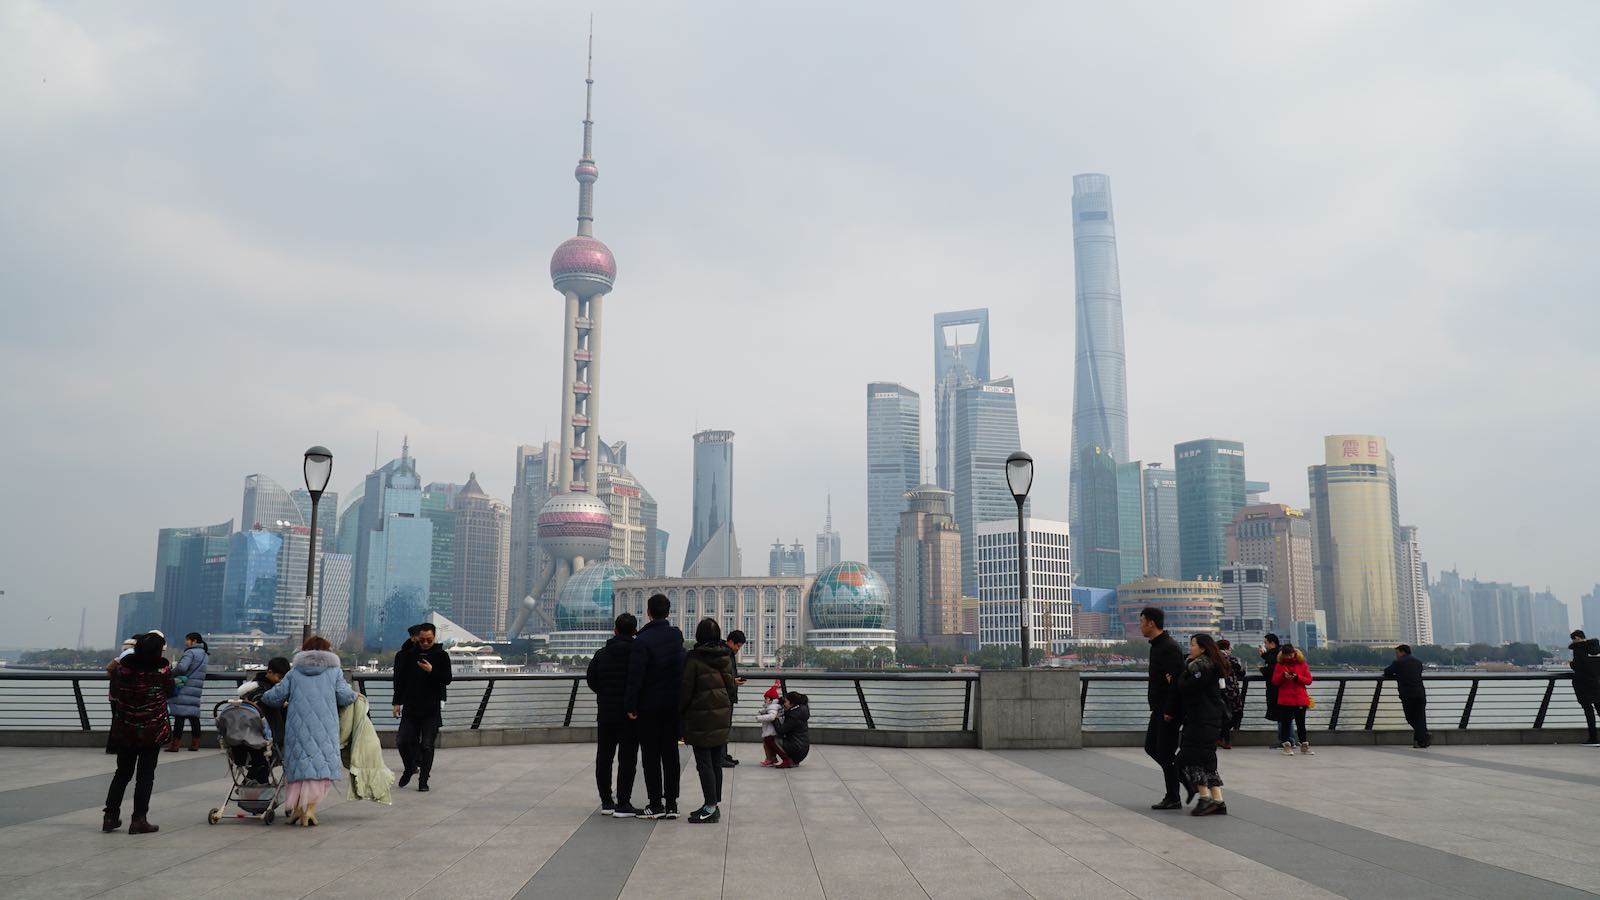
[(420, 676), (736, 641), (655, 677), (1166, 667), (616, 735), (1406, 670)]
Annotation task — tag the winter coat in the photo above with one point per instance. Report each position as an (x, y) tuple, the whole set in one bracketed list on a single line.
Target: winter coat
[(1292, 693), (768, 718), (370, 776), (253, 690), (313, 691), (1269, 660), (704, 699), (794, 731), (1198, 702), (140, 691), (192, 665), (1407, 673), (608, 678), (1166, 658), (655, 670), (419, 692), (1586, 670)]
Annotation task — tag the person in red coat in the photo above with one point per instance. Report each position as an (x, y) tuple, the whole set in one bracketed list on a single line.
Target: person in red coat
[(1291, 676)]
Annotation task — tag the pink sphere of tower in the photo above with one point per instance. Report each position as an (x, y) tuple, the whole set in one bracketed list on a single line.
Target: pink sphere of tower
[(584, 266), (575, 524)]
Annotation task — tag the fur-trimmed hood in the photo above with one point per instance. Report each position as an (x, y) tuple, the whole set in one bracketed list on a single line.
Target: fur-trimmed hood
[(313, 661)]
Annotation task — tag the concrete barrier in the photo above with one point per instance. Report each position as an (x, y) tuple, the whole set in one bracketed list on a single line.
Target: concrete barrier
[(1030, 709)]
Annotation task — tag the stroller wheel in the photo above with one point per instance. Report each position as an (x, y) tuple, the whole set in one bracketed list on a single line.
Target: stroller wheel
[(268, 816), (214, 816)]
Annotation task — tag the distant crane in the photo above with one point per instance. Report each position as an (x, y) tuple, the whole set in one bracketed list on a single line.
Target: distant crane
[(83, 619)]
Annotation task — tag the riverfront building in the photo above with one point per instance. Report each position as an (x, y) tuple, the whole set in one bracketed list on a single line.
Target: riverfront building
[(1279, 538), (770, 611), (1355, 515), (927, 595), (1192, 606), (1049, 583)]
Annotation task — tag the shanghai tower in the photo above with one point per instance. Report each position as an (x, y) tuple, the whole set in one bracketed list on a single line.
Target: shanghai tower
[(1100, 382)]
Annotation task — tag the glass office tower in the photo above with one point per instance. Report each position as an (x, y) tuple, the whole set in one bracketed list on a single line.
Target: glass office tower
[(985, 434), (894, 452), (960, 359), (713, 548), (1210, 491)]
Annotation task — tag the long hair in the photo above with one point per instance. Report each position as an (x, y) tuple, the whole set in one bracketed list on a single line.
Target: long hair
[(1290, 654), (195, 636), (1208, 648), (708, 632)]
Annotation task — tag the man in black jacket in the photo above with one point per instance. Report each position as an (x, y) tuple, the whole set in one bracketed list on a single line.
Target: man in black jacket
[(617, 735), (1161, 736), (1406, 670), (420, 676), (1586, 680), (655, 676), (736, 641)]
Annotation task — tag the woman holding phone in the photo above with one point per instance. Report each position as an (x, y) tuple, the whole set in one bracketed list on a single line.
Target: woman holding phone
[(1291, 676)]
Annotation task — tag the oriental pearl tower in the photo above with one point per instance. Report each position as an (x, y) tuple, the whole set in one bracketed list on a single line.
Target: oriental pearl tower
[(575, 525)]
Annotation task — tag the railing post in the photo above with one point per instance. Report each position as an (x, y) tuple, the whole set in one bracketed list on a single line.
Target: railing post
[(966, 707), (483, 705), (1466, 711), (1544, 705), (1083, 693), (865, 712), (83, 711), (1338, 704), (572, 700), (1372, 711)]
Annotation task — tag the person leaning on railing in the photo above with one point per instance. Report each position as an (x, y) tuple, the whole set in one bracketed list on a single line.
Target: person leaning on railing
[(1586, 680), (1406, 670)]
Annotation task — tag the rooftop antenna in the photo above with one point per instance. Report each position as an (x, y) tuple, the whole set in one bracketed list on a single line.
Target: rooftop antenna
[(83, 619), (829, 526), (377, 443)]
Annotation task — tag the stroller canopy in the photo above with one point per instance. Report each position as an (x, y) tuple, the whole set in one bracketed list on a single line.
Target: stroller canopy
[(242, 725)]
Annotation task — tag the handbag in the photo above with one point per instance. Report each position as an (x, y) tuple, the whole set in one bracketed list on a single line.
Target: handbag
[(1311, 702)]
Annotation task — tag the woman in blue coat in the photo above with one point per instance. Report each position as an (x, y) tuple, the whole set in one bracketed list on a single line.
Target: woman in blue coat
[(311, 695), (190, 674)]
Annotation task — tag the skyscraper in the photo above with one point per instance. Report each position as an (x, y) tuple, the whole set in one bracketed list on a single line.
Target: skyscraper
[(1049, 584), (391, 579), (1551, 627), (250, 584), (1210, 490), (1097, 536), (1353, 512), (327, 516), (633, 510), (986, 433), (137, 613), (533, 486), (481, 576), (786, 559), (1246, 604), (188, 581), (894, 449), (1591, 611), (960, 359), (1416, 610), (266, 502), (1099, 372), (1161, 522), (1278, 538), (439, 507), (927, 595), (333, 597), (713, 548), (828, 542)]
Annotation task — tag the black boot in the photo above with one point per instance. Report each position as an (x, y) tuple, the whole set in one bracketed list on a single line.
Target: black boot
[(405, 777), (112, 821), (422, 783)]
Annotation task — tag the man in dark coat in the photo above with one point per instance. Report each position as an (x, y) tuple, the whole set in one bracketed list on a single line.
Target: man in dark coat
[(1586, 680), (1406, 670), (1269, 659), (794, 729), (736, 641), (1161, 735), (420, 677), (655, 675), (616, 735)]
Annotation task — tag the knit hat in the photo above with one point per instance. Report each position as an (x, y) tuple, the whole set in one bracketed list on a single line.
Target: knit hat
[(772, 692)]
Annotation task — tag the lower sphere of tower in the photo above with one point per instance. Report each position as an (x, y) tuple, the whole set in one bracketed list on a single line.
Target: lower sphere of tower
[(584, 266), (575, 524)]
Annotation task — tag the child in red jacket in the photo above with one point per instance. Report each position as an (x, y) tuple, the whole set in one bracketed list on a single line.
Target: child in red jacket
[(1291, 676)]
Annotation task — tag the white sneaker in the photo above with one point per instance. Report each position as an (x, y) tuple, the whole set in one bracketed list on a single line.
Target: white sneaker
[(1306, 749), (1590, 744), (1288, 749)]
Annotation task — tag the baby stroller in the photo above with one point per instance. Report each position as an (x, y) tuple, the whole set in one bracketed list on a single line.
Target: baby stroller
[(254, 765)]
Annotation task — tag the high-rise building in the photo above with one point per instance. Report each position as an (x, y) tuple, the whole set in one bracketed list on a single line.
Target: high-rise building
[(1452, 610), (927, 593), (482, 543), (894, 451), (713, 548), (828, 541), (327, 516), (137, 613), (349, 532), (1094, 613), (250, 584), (1416, 609), (986, 434), (1099, 380), (188, 582), (401, 577), (266, 503), (1049, 584), (1246, 604), (634, 512), (289, 614), (333, 597), (1192, 606), (1097, 535), (1162, 556), (786, 559), (1278, 537), (658, 563), (1551, 627), (438, 507), (533, 486), (1210, 491), (960, 360), (1353, 515), (1131, 547), (1591, 611)]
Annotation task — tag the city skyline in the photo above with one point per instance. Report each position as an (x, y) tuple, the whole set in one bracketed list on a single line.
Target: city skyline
[(416, 292)]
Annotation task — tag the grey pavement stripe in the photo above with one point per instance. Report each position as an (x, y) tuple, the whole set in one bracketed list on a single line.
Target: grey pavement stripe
[(594, 863), (30, 804), (1344, 859), (1511, 768)]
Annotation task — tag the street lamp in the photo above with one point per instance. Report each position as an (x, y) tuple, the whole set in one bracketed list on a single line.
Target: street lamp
[(1019, 477), (318, 469)]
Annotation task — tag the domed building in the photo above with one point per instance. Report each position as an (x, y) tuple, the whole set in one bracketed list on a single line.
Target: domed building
[(849, 607), (585, 609)]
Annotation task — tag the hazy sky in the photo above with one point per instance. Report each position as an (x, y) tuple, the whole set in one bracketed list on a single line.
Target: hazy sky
[(230, 231)]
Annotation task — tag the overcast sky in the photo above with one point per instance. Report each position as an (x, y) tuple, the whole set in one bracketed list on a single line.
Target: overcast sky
[(230, 231)]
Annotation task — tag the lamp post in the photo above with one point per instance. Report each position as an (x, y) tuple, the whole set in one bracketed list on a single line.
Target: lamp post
[(1019, 478), (318, 469)]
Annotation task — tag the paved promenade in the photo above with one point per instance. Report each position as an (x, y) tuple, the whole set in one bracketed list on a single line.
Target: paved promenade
[(519, 822)]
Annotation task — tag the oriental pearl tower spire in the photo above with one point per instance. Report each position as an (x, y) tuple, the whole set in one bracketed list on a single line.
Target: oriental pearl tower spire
[(575, 525)]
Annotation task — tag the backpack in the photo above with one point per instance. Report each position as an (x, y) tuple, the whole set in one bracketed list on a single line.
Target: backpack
[(1233, 683)]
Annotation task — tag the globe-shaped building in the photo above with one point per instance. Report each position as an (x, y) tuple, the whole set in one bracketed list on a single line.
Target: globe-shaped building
[(848, 604), (584, 609)]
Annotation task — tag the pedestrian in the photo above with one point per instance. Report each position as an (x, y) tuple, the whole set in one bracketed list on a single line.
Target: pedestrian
[(253, 689), (655, 677), (190, 676), (736, 642), (141, 685), (794, 730), (311, 695), (616, 737), (768, 715), (1406, 670), (1269, 659), (1586, 680), (419, 683), (1198, 704), (1292, 676), (1232, 694), (706, 704), (1161, 735)]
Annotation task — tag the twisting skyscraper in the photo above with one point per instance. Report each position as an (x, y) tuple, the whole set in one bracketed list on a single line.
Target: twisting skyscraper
[(1100, 382), (713, 548)]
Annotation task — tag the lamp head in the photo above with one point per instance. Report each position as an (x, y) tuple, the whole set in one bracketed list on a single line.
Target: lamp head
[(318, 470), (1019, 474)]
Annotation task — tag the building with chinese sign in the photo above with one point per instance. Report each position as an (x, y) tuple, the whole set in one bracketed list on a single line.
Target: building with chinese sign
[(1355, 517)]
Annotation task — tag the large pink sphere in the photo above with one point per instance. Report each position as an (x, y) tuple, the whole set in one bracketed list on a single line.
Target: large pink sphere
[(583, 265), (575, 524)]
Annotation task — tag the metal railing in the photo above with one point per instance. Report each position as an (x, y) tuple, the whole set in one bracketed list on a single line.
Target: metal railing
[(890, 701), (1355, 701)]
